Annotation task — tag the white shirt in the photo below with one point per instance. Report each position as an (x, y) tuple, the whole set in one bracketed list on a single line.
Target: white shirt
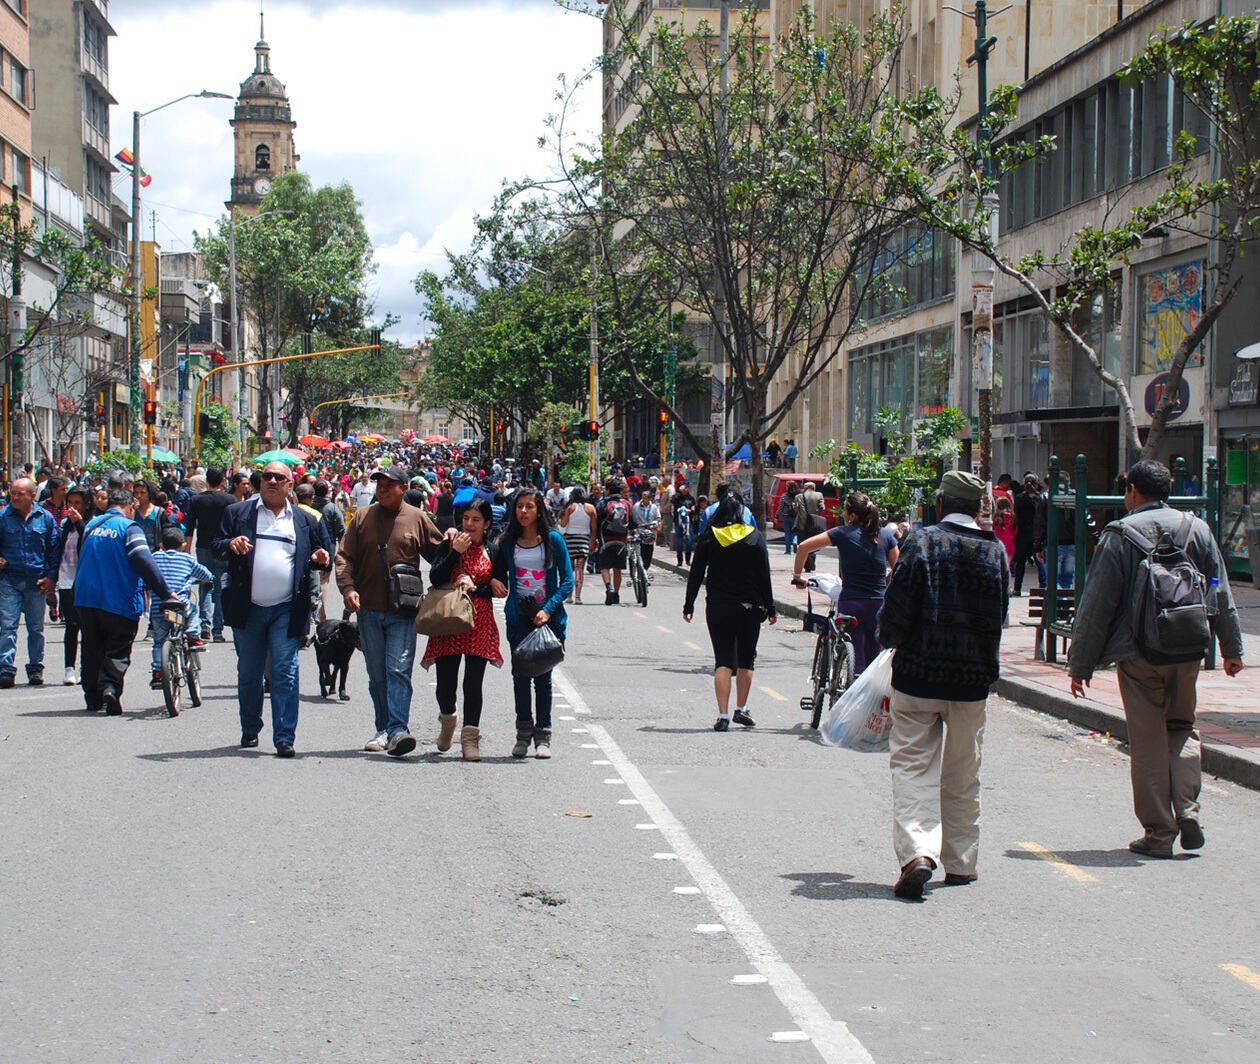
[(966, 520), (274, 548), (362, 494)]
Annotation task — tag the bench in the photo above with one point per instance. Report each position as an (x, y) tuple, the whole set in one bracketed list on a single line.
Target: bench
[(1061, 629)]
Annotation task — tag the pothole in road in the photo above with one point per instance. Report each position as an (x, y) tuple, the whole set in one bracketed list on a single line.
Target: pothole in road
[(532, 898)]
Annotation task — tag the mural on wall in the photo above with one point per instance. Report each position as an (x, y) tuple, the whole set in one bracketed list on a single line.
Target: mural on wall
[(1171, 300)]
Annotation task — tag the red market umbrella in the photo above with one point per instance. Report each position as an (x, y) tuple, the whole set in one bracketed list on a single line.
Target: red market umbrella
[(313, 441), (341, 445), (436, 439), (298, 453)]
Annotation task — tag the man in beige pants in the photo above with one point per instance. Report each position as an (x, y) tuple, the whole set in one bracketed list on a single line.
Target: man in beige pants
[(1159, 697), (943, 612)]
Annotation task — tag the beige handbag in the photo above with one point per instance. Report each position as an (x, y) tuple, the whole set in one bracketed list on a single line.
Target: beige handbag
[(445, 610)]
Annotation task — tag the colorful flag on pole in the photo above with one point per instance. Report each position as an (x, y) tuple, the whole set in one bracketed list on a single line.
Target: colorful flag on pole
[(129, 162)]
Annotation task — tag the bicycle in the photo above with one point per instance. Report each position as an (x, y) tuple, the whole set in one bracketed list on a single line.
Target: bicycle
[(181, 664), (634, 564), (834, 663)]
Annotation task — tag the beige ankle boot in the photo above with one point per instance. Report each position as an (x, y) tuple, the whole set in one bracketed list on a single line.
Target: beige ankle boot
[(470, 743), (446, 730)]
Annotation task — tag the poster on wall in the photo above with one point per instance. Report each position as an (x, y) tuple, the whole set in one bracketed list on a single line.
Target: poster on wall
[(1172, 300)]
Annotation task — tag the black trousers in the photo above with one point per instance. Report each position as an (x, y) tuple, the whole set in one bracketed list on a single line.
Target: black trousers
[(733, 631), (65, 599), (447, 669), (107, 639)]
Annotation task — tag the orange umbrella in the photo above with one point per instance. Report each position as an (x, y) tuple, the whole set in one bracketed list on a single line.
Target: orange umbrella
[(313, 441)]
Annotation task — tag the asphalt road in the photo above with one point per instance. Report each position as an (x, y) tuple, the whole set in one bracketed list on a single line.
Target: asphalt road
[(167, 896)]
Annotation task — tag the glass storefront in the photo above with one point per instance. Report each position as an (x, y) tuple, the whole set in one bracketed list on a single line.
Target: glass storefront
[(1240, 505)]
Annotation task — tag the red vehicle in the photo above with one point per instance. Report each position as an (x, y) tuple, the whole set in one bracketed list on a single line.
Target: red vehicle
[(779, 486)]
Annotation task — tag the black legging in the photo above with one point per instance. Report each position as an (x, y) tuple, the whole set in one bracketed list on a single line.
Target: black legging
[(65, 602), (447, 667)]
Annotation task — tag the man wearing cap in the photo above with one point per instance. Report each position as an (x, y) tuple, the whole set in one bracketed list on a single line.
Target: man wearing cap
[(943, 613), (387, 636)]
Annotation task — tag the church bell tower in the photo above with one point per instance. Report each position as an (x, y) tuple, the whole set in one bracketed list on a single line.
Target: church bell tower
[(262, 129)]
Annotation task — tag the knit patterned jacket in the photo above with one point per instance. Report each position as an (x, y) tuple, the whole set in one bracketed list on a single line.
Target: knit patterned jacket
[(943, 612)]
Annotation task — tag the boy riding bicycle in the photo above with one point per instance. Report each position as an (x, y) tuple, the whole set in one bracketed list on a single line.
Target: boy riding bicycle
[(181, 572)]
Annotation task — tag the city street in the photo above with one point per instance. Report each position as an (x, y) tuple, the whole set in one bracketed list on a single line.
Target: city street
[(656, 892)]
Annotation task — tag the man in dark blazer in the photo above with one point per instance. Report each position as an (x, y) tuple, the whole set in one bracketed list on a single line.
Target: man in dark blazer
[(270, 545)]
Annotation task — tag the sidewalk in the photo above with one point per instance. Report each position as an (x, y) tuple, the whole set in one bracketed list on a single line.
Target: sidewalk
[(1228, 709)]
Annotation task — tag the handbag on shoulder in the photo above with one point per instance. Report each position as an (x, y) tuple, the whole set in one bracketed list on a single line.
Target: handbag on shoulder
[(403, 582), (445, 611)]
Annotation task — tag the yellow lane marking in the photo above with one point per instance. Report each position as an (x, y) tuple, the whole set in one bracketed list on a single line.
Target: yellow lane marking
[(693, 646), (772, 693), (1241, 971), (662, 628), (1061, 863)]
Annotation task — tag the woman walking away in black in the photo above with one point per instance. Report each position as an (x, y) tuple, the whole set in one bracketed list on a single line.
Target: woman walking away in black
[(868, 551), (738, 598)]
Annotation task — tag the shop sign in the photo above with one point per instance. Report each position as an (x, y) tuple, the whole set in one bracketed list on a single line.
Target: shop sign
[(1187, 404), (1242, 387)]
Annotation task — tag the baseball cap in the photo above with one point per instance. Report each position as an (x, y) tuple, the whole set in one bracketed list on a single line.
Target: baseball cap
[(392, 472)]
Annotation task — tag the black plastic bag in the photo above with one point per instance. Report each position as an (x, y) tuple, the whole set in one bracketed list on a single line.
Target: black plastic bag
[(540, 651)]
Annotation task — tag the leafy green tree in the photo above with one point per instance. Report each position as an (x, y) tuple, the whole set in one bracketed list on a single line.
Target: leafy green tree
[(219, 440), (1215, 197), (756, 186), (302, 266)]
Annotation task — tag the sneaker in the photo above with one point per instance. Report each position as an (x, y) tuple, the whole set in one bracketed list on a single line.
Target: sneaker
[(155, 684), (110, 703), (400, 744), (196, 643), (542, 743), (743, 718), (1147, 848), (35, 679), (72, 676), (609, 598), (6, 679), (377, 743), (722, 724), (205, 634)]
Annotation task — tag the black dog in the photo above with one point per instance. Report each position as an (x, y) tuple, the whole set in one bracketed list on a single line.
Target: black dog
[(335, 644)]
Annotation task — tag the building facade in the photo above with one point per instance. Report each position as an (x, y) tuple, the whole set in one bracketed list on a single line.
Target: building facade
[(262, 133)]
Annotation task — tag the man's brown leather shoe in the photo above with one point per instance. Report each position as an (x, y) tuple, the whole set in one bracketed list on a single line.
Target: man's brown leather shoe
[(913, 877), (959, 879)]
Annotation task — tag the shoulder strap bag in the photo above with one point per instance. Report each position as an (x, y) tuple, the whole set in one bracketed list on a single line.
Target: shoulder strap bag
[(403, 581), (445, 610)]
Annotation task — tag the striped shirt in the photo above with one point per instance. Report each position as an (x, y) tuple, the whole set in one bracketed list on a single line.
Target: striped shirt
[(180, 571)]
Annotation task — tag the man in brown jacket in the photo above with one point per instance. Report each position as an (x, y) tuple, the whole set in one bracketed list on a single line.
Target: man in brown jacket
[(388, 638)]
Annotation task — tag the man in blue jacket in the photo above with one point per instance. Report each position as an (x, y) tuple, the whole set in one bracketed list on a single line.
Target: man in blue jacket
[(113, 560), (28, 534), (271, 546)]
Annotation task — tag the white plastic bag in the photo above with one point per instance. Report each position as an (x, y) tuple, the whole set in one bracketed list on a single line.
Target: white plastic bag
[(860, 719)]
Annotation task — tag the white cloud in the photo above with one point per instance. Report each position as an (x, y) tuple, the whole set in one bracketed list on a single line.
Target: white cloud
[(423, 108)]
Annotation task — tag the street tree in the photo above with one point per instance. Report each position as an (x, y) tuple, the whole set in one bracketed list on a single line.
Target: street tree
[(48, 348), (302, 267), (754, 182), (1214, 196)]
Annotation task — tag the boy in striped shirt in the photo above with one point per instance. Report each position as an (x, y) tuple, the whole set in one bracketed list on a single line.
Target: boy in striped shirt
[(182, 572)]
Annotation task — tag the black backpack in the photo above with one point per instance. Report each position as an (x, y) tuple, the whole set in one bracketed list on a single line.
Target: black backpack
[(1170, 612)]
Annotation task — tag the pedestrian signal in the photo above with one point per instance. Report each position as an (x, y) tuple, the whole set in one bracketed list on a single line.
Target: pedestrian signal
[(150, 412)]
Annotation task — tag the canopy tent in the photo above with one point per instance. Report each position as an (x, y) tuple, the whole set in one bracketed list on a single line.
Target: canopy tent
[(744, 454)]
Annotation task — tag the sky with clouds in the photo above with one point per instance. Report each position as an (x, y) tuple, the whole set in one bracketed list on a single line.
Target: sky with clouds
[(424, 106)]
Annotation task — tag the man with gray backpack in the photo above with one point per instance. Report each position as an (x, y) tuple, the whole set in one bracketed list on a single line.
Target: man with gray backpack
[(1157, 588)]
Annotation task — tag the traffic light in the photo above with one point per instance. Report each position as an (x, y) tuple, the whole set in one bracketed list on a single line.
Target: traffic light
[(206, 424), (662, 417), (311, 425), (100, 416), (588, 430), (150, 412), (15, 371)]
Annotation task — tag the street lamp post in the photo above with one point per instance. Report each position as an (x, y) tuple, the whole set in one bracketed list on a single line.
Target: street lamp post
[(133, 368)]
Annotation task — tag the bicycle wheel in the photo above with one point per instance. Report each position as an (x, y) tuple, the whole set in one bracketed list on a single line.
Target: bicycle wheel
[(172, 677), (820, 675), (842, 668), (192, 677), (640, 581)]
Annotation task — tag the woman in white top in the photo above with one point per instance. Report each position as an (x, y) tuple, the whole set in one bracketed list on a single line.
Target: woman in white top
[(578, 524)]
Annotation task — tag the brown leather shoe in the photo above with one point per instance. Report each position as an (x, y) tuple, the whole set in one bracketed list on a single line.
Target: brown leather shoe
[(446, 730), (1147, 848), (913, 877), (960, 879), (470, 743)]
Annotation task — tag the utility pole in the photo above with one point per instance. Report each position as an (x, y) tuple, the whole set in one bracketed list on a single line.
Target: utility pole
[(717, 379), (593, 368), (982, 269), (15, 415)]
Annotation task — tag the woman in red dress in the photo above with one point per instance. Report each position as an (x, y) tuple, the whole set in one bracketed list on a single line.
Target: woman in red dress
[(469, 561)]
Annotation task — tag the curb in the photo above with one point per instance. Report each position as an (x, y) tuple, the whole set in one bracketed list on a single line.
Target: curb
[(1225, 762)]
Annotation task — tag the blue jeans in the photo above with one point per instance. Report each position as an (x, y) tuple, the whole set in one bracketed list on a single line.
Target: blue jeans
[(790, 539), (266, 636), (389, 651), (1067, 564), (160, 629), (212, 592), (19, 597), (541, 715)]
